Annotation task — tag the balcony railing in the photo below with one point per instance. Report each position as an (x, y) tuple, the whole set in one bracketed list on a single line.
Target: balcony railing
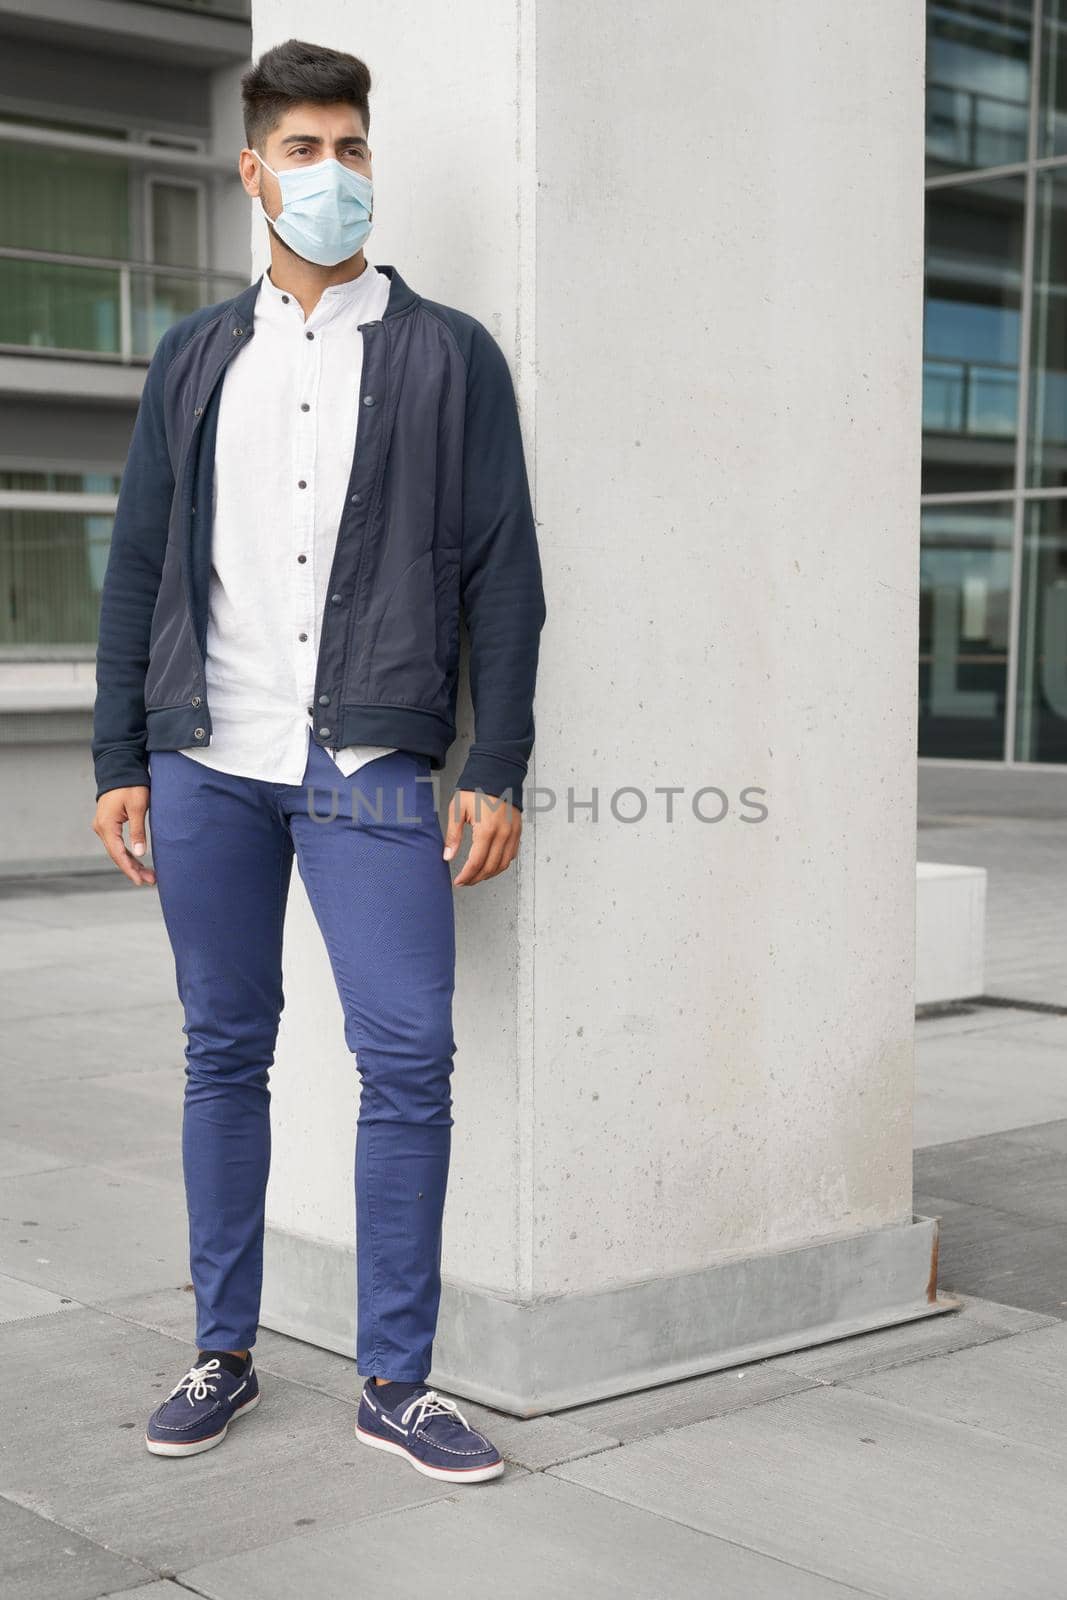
[(241, 9), (96, 307)]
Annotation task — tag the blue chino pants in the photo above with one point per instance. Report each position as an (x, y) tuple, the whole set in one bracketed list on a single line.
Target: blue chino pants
[(369, 851)]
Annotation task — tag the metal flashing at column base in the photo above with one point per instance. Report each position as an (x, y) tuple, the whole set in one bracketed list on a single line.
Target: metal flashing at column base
[(527, 1358)]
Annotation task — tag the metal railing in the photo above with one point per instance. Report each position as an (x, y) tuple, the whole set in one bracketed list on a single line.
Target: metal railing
[(98, 307), (241, 10)]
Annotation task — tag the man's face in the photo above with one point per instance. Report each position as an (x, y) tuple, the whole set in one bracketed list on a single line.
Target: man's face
[(306, 134)]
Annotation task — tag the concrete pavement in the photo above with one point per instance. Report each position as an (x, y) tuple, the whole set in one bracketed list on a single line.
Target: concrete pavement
[(926, 1460)]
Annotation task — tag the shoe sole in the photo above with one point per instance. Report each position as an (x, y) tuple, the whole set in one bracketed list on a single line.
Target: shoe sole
[(159, 1447), (448, 1474)]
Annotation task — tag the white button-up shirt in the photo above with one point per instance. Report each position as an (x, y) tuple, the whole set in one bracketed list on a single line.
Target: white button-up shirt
[(286, 437)]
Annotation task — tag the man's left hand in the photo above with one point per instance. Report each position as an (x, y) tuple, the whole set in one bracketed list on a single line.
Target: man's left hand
[(496, 828)]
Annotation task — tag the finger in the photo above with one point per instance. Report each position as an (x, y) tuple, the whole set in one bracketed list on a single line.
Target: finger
[(495, 861), (454, 834), (115, 846), (476, 860), (136, 812)]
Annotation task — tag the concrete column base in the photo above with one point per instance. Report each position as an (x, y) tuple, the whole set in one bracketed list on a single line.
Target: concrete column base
[(527, 1358)]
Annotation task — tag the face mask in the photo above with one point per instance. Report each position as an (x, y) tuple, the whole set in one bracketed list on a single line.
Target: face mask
[(326, 210)]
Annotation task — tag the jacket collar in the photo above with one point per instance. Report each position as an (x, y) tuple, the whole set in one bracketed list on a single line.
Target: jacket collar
[(401, 299)]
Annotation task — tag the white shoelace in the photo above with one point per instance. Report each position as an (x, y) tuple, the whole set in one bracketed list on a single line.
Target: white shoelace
[(195, 1384), (431, 1404)]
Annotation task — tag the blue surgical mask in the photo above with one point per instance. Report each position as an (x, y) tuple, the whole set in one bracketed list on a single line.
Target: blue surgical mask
[(326, 210)]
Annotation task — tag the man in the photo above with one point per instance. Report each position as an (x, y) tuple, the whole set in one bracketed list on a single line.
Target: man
[(324, 471)]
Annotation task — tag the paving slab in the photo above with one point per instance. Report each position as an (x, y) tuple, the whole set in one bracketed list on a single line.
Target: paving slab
[(20, 1157), (971, 1018), (72, 990), (86, 1121), (20, 1300), (971, 1083), (39, 1560), (676, 1405), (163, 1590), (79, 901), (528, 1539), (125, 1038), (1000, 1257), (97, 1233), (291, 1465), (977, 1322), (893, 1501), (1023, 1172), (1016, 1388)]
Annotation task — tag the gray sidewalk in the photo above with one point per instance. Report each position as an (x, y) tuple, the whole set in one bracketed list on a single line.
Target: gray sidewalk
[(925, 1461)]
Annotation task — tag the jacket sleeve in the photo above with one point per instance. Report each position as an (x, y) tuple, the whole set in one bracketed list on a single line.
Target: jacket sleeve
[(500, 576), (130, 587)]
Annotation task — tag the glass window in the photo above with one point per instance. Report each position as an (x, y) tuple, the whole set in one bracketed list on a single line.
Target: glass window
[(977, 84), (964, 619), (52, 562), (1047, 453), (1052, 118), (1041, 703), (974, 275)]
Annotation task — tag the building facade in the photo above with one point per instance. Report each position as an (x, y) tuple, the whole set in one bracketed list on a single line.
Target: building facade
[(119, 126), (993, 652)]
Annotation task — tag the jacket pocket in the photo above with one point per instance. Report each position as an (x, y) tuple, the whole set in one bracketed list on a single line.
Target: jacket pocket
[(404, 667)]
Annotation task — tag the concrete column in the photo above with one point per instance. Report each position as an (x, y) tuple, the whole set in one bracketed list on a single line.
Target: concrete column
[(684, 1086)]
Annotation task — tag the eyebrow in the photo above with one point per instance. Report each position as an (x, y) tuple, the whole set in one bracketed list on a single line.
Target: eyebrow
[(314, 138)]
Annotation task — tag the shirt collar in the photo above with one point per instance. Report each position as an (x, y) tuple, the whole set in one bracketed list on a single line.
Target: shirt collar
[(335, 300)]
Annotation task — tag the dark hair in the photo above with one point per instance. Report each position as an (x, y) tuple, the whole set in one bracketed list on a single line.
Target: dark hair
[(295, 73)]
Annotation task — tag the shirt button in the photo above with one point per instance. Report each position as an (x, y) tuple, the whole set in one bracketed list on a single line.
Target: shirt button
[(335, 599), (285, 299), (301, 558), (309, 336), (324, 733), (368, 399), (324, 699), (303, 636), (305, 406), (302, 484)]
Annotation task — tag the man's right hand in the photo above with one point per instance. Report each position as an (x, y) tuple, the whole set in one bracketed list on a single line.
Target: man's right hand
[(114, 809)]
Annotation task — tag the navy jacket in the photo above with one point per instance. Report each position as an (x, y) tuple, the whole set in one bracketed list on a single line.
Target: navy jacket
[(437, 519)]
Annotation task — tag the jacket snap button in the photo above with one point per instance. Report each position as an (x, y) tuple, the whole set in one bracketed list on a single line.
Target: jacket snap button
[(195, 701), (198, 733), (324, 733), (368, 400), (237, 332), (324, 699), (335, 599), (198, 411)]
